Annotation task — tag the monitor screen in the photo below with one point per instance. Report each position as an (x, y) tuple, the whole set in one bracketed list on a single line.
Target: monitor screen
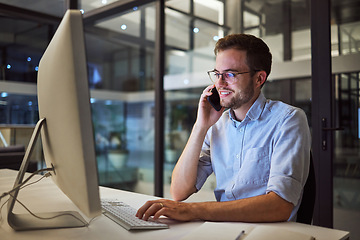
[(64, 107)]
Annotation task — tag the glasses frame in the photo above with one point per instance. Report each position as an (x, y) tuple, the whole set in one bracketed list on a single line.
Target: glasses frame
[(226, 79)]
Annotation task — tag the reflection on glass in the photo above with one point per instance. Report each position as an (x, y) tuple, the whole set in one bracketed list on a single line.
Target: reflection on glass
[(177, 33), (212, 10), (124, 136), (120, 53), (251, 20), (128, 24), (56, 8), (347, 152), (206, 37), (179, 5), (349, 38), (21, 51), (181, 110), (88, 5), (18, 109), (111, 142), (190, 42), (285, 31), (301, 45)]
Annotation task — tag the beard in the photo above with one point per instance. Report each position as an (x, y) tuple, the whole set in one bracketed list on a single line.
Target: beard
[(240, 98)]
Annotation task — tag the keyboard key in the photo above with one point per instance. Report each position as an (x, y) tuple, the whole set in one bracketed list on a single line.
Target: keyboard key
[(124, 215)]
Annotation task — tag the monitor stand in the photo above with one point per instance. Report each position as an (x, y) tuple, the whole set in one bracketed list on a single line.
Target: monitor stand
[(20, 222)]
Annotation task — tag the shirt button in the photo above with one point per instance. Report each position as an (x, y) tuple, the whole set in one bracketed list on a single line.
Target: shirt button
[(237, 155)]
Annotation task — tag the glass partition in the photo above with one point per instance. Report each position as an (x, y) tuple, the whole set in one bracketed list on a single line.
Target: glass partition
[(190, 41), (21, 51), (345, 36), (349, 38), (212, 10), (120, 53), (182, 5), (51, 7), (18, 109), (346, 162)]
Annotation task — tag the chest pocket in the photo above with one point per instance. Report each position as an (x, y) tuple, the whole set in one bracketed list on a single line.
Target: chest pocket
[(255, 166)]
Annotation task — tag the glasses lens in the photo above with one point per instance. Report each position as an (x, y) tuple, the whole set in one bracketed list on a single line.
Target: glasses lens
[(213, 76), (230, 77)]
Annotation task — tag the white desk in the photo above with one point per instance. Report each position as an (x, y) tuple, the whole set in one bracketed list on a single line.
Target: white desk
[(45, 196)]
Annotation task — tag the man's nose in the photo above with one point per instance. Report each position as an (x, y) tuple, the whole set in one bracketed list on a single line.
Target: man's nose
[(221, 80)]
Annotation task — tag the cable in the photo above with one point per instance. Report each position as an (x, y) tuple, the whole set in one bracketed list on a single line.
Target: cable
[(56, 216), (27, 209), (26, 180), (46, 175)]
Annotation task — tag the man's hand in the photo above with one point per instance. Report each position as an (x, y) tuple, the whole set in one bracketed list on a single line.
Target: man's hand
[(207, 115), (263, 208), (175, 210)]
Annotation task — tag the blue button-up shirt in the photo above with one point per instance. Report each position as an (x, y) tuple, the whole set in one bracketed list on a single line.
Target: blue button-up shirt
[(269, 151)]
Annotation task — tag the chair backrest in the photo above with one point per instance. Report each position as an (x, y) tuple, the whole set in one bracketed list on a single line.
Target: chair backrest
[(11, 157), (306, 209)]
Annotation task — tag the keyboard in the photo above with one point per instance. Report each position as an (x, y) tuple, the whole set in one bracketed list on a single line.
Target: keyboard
[(124, 215)]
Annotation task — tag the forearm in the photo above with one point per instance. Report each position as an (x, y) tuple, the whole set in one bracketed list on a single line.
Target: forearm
[(185, 172), (264, 208)]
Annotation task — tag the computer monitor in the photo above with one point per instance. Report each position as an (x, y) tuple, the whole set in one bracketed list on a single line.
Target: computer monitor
[(66, 129)]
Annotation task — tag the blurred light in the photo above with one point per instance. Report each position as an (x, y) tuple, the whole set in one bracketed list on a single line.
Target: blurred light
[(135, 8), (186, 81), (4, 94), (104, 2), (29, 59), (108, 102), (178, 53), (123, 27), (92, 100), (216, 38), (196, 30), (8, 66), (37, 68), (82, 11), (30, 103)]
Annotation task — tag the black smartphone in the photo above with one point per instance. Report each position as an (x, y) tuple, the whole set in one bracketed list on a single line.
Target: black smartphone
[(214, 99)]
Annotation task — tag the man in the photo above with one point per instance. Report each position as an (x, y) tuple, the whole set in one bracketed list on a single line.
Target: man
[(258, 149)]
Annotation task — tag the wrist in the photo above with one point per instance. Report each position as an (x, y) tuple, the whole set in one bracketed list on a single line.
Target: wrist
[(200, 128), (200, 211), (196, 211)]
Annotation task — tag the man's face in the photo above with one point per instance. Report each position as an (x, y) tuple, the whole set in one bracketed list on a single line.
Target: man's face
[(242, 91)]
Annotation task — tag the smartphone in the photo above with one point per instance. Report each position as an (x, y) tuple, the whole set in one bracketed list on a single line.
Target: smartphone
[(214, 99)]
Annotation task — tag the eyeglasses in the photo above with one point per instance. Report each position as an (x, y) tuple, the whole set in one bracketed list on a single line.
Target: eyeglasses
[(229, 77)]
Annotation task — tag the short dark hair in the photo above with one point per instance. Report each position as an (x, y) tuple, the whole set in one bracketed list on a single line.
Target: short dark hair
[(258, 56)]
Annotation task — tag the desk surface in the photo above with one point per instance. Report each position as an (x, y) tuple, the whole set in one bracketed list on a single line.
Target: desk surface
[(44, 196)]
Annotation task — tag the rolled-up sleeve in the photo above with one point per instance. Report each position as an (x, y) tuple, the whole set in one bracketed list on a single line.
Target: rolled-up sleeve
[(290, 158)]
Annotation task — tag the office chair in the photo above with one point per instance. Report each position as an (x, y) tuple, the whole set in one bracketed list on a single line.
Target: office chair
[(11, 157), (306, 209)]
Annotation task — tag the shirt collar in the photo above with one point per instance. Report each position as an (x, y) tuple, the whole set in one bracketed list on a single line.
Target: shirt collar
[(257, 108), (254, 112)]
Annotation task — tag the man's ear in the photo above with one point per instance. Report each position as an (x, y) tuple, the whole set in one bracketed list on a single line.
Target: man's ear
[(261, 78)]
